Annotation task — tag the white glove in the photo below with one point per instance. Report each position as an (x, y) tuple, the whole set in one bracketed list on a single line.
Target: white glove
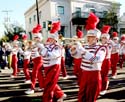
[(44, 52), (80, 47)]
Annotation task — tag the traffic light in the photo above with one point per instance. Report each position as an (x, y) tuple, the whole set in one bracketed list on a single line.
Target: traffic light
[(49, 25)]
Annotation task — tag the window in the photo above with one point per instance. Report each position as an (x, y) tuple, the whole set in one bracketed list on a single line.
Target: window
[(62, 31), (30, 20), (78, 9), (30, 34), (44, 24), (89, 5), (93, 10), (60, 9), (34, 17)]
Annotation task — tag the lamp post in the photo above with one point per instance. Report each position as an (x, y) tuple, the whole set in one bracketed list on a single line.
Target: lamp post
[(37, 10)]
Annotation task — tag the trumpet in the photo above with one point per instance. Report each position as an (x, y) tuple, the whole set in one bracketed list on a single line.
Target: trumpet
[(74, 39)]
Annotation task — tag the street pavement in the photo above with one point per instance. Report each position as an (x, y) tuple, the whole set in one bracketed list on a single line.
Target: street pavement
[(12, 89)]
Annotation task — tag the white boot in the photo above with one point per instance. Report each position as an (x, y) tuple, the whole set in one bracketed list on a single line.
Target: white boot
[(28, 81), (12, 76), (29, 91), (66, 77), (61, 99), (114, 77), (103, 92)]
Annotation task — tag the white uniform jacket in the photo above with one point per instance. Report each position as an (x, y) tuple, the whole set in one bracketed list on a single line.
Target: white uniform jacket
[(109, 49), (122, 49), (26, 54), (115, 48), (51, 55), (92, 56), (35, 51)]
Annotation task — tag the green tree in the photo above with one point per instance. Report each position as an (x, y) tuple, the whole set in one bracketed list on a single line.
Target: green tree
[(110, 18), (12, 30)]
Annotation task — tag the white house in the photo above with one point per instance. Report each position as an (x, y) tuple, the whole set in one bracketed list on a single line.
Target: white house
[(121, 24), (71, 13)]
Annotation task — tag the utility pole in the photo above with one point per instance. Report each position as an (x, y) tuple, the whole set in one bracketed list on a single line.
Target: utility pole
[(7, 18), (37, 10)]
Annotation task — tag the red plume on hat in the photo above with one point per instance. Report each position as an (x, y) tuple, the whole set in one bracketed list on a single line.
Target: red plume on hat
[(93, 18), (90, 26), (56, 26), (105, 29), (115, 34), (79, 34), (92, 21), (16, 37), (123, 37), (54, 30), (37, 29), (24, 37)]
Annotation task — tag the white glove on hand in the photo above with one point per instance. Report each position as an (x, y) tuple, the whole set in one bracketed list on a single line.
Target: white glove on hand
[(80, 47), (44, 52)]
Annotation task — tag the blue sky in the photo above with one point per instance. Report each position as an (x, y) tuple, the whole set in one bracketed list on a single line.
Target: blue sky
[(18, 7), (122, 6)]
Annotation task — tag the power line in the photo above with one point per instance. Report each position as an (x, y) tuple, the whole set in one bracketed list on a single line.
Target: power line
[(7, 18)]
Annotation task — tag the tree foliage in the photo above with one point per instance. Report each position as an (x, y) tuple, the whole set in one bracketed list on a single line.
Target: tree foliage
[(110, 18), (11, 30)]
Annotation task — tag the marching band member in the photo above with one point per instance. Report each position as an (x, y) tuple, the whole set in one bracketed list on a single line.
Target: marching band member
[(63, 67), (14, 51), (115, 54), (26, 61), (37, 60), (24, 38), (122, 51), (105, 40), (92, 56), (8, 54), (77, 61), (27, 54), (51, 62)]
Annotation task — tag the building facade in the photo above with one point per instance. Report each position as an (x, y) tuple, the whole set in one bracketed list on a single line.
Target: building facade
[(71, 13), (121, 24)]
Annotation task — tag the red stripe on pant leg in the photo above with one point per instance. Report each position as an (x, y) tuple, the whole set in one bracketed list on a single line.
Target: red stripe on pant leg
[(90, 86), (63, 68), (40, 78), (77, 69), (58, 93), (14, 64), (104, 73), (114, 61), (26, 68), (121, 60), (51, 79), (37, 63)]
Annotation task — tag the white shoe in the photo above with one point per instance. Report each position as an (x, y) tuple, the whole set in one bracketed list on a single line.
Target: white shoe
[(12, 76), (66, 77), (61, 99), (29, 91), (39, 89), (103, 92), (113, 77), (28, 81)]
